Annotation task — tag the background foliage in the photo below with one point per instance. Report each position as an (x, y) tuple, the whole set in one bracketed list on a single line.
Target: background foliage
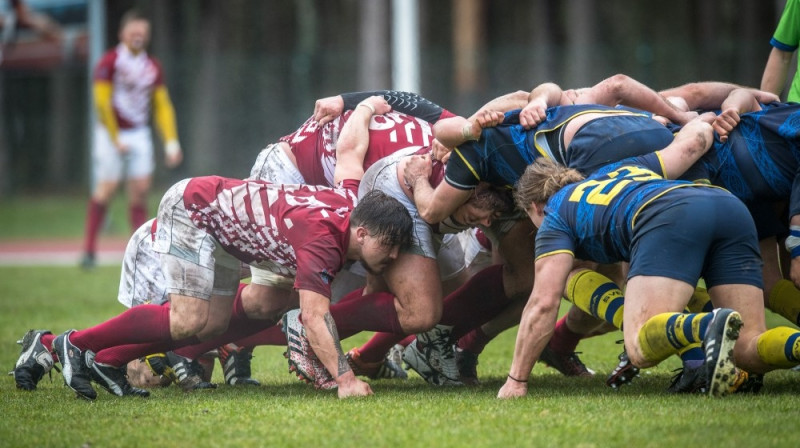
[(243, 73)]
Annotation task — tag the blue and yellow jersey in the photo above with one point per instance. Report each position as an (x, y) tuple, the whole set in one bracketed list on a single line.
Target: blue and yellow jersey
[(595, 219), (761, 158), (502, 153)]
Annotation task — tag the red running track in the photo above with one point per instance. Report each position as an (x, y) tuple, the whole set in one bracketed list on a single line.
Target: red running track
[(58, 252)]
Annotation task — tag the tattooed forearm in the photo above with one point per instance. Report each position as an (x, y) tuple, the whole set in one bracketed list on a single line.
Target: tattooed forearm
[(344, 366)]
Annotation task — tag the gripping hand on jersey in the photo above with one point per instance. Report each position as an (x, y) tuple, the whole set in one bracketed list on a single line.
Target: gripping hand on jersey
[(326, 109), (725, 122), (533, 113), (418, 167)]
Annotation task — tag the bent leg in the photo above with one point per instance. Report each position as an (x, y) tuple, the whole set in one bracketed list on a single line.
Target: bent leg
[(414, 281), (647, 297)]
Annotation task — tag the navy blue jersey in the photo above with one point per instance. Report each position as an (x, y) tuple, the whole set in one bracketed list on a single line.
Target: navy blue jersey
[(595, 219), (503, 152), (761, 159)]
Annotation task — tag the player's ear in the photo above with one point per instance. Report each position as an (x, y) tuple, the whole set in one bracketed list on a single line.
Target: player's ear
[(361, 233)]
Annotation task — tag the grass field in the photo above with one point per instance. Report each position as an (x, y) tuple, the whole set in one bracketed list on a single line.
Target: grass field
[(559, 411)]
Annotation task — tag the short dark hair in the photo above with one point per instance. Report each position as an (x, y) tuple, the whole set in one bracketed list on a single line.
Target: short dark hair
[(383, 216), (491, 197), (132, 15)]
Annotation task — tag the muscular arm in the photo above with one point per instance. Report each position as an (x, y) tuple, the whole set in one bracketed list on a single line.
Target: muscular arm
[(454, 131), (776, 70), (738, 102), (689, 145), (538, 321), (433, 205), (707, 95), (504, 103), (540, 99), (622, 89), (324, 339), (351, 148)]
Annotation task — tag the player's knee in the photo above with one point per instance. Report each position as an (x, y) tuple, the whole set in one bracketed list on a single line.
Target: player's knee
[(185, 326), (423, 318), (213, 329)]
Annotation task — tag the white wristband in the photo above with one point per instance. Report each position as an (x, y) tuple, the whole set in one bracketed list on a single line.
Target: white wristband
[(172, 148), (793, 240), (368, 106)]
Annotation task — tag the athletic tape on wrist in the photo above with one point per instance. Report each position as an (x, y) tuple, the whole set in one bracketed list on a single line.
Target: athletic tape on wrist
[(466, 132), (793, 241)]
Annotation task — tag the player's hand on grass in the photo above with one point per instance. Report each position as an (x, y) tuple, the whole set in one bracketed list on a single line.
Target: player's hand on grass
[(350, 386), (512, 389)]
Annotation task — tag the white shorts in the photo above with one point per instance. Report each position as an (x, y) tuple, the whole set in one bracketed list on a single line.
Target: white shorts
[(108, 165), (142, 280), (193, 262), (273, 165), (382, 175), (458, 252)]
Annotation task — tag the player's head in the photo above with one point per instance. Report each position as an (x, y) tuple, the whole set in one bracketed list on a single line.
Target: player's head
[(382, 227), (486, 203), (540, 181), (134, 31)]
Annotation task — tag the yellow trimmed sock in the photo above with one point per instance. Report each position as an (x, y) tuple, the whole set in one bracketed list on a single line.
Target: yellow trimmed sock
[(597, 295), (700, 301), (780, 347), (666, 334), (784, 299)]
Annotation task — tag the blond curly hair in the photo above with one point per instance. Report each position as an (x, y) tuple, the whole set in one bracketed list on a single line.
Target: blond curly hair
[(541, 180)]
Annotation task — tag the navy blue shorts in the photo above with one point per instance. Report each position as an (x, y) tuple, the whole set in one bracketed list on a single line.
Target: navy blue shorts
[(688, 236), (613, 138), (771, 219)]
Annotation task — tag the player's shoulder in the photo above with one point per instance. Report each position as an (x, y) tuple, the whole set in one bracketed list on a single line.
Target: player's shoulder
[(107, 61), (154, 60)]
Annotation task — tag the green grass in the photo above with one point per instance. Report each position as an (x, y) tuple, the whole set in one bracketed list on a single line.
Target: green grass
[(61, 216), (559, 411)]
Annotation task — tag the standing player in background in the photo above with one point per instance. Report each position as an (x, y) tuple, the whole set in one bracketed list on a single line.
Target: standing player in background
[(126, 81), (784, 44)]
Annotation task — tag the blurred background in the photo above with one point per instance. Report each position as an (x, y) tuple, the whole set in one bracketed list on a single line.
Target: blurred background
[(242, 73)]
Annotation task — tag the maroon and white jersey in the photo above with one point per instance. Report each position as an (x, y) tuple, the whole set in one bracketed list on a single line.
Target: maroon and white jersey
[(314, 146), (133, 79), (292, 230)]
